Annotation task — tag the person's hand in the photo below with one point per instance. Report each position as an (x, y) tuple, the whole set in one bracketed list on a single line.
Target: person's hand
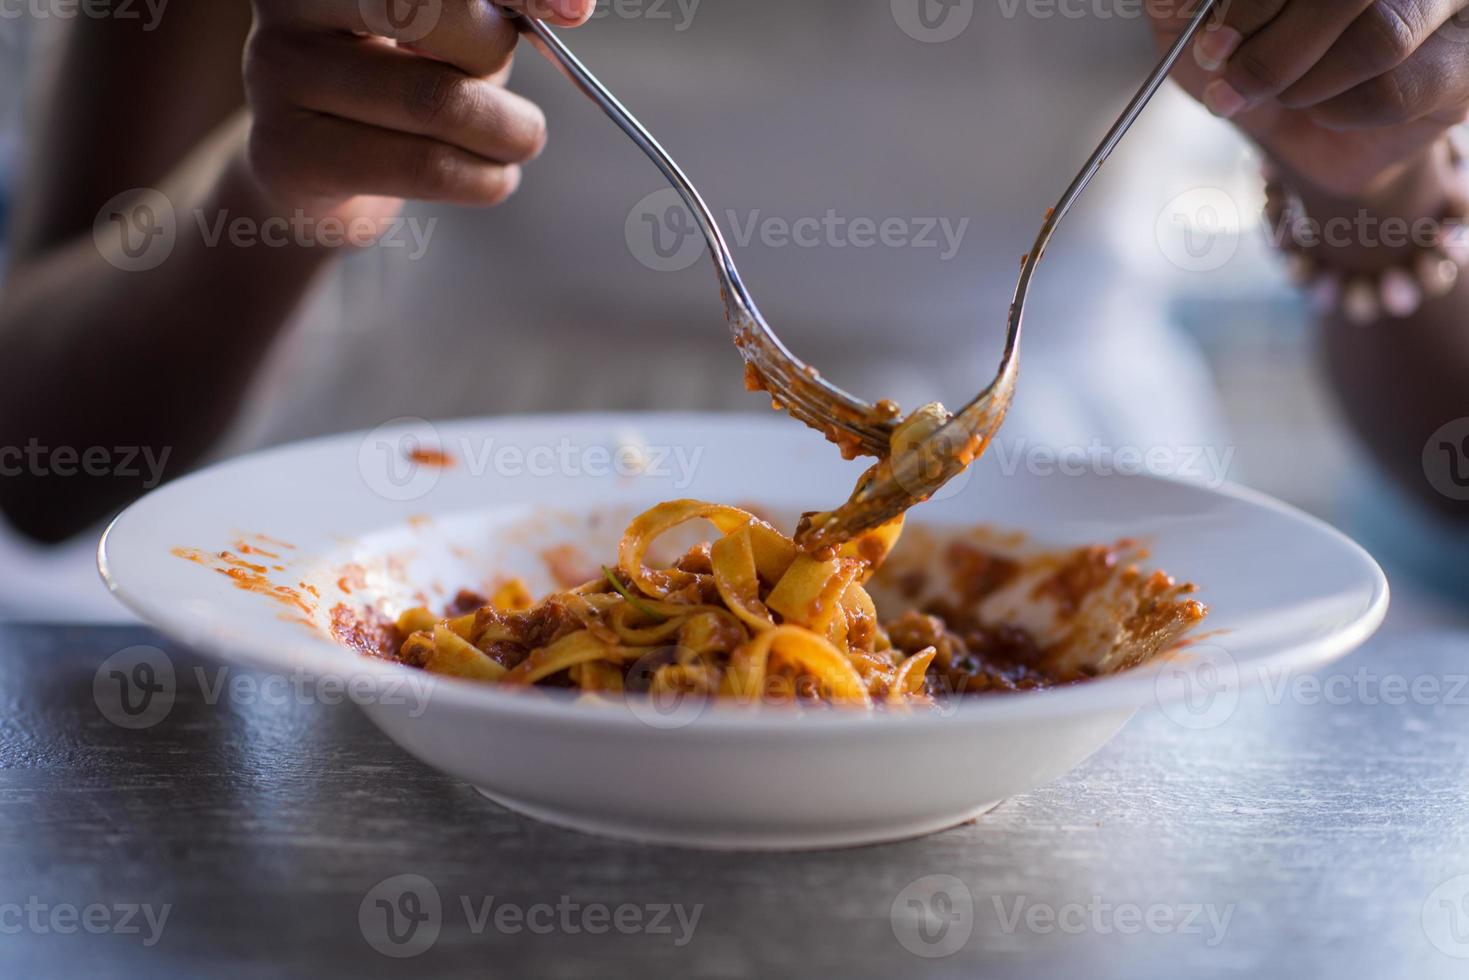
[(1344, 93), (356, 105)]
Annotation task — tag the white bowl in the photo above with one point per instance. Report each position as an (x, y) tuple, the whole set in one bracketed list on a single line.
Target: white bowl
[(1285, 591)]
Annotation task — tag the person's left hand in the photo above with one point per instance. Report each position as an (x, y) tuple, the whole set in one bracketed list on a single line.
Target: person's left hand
[(1343, 93)]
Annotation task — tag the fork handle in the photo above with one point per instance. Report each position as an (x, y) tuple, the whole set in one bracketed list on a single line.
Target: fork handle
[(545, 40), (803, 392), (1057, 214)]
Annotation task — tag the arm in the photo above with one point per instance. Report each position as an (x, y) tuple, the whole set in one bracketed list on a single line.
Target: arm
[(1399, 381), (109, 356), (127, 339), (1353, 101)]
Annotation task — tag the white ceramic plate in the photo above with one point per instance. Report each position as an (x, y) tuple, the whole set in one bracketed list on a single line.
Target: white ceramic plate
[(1286, 593)]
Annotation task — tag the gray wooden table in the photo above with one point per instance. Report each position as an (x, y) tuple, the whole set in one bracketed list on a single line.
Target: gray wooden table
[(1316, 832)]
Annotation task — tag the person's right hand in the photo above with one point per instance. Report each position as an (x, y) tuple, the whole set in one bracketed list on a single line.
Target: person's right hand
[(356, 105)]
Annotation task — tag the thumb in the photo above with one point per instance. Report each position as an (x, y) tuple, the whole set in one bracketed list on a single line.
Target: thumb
[(1168, 20)]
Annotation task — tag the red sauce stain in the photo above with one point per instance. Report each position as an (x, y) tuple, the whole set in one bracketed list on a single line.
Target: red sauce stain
[(190, 554), (977, 574), (397, 567), (246, 548), (420, 521), (234, 561), (1081, 573), (1194, 614), (848, 443), (365, 631), (260, 585), (267, 539), (353, 577), (870, 549), (431, 457), (568, 566), (753, 379), (249, 577)]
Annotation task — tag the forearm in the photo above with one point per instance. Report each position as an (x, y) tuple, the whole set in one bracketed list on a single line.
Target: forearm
[(1398, 380), (151, 362)]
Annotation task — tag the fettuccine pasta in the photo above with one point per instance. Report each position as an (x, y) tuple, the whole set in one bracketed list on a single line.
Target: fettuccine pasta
[(747, 616)]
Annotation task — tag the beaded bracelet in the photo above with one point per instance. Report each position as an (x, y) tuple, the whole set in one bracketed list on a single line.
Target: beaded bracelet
[(1365, 297)]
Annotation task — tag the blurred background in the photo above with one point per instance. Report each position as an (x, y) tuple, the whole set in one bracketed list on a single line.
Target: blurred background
[(1161, 317), (1160, 323)]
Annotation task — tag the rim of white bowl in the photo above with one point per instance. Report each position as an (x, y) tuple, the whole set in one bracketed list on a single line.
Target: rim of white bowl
[(1132, 689)]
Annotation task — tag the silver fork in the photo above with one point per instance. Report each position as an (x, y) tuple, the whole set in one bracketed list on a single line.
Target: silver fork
[(927, 456)]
